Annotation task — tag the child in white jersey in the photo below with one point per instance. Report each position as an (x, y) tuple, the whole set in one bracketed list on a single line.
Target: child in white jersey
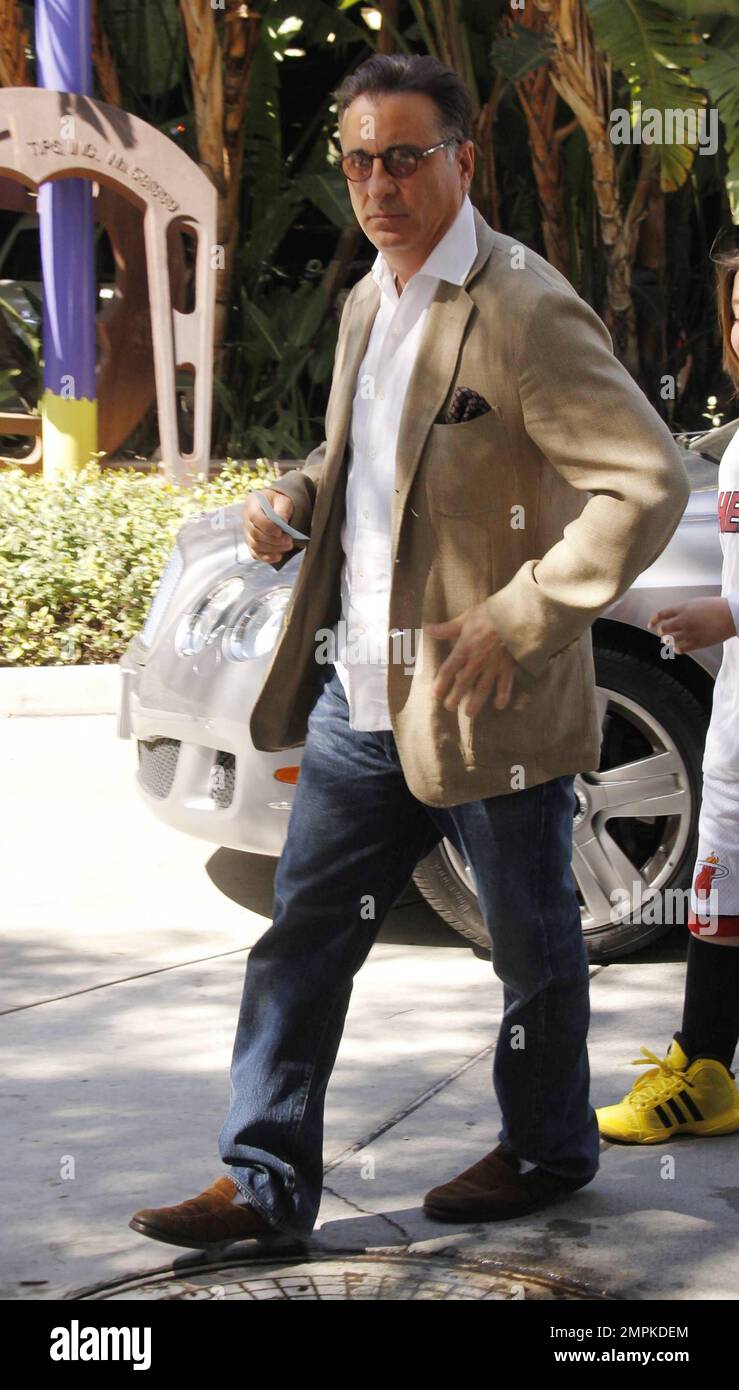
[(692, 1090)]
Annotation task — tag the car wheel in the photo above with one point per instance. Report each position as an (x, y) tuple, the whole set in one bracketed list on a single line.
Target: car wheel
[(636, 828)]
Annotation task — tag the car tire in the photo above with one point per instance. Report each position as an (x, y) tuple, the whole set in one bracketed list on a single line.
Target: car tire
[(647, 711)]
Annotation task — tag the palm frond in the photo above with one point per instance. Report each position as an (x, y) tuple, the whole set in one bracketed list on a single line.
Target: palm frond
[(520, 51), (655, 55), (718, 73), (694, 9)]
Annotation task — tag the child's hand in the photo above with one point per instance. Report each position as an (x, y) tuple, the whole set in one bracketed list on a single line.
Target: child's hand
[(699, 622)]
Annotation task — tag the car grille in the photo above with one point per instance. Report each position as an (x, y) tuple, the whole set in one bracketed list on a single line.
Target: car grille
[(223, 779), (158, 764)]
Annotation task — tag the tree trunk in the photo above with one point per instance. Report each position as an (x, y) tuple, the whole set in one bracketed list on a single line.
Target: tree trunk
[(581, 74), (240, 41), (13, 44), (651, 255), (104, 62), (538, 98), (219, 77)]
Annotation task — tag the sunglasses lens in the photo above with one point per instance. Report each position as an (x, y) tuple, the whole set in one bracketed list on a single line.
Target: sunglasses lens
[(401, 163), (356, 166)]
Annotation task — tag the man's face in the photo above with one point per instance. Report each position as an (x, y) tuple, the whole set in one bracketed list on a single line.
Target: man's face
[(405, 216)]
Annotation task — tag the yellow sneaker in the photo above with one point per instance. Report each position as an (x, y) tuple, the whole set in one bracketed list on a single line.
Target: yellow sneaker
[(674, 1097)]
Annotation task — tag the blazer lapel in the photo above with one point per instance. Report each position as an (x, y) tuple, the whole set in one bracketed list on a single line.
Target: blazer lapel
[(427, 389), (344, 384), (433, 370)]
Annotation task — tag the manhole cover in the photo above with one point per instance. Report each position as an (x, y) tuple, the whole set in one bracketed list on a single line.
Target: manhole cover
[(353, 1277)]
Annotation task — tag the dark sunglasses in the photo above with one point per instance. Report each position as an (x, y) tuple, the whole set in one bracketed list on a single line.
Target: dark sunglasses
[(399, 161)]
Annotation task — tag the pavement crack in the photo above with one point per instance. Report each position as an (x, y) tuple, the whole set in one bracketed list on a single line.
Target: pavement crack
[(361, 1211), (407, 1110), (420, 1100), (123, 980)]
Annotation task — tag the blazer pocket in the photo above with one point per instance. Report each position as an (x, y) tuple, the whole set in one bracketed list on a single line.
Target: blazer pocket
[(461, 460), (554, 713)]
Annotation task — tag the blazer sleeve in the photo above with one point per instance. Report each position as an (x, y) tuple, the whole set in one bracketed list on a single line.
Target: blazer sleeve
[(301, 483), (595, 426)]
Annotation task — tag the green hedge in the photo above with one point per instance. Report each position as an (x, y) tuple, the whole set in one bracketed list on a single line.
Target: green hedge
[(80, 558)]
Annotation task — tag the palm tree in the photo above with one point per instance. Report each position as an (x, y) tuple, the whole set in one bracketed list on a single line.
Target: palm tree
[(219, 77), (103, 61), (13, 45), (539, 101)]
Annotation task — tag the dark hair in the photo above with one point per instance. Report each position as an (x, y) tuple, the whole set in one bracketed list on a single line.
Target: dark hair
[(402, 72), (727, 266)]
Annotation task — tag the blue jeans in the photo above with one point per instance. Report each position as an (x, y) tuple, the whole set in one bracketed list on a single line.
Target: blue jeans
[(355, 830)]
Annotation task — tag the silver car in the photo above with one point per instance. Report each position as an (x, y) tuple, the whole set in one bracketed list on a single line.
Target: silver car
[(191, 675)]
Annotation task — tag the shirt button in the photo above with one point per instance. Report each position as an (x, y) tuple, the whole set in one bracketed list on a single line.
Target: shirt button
[(373, 453), (365, 514)]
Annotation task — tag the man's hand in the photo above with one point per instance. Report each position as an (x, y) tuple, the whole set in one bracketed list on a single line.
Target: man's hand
[(699, 622), (477, 665), (265, 540)]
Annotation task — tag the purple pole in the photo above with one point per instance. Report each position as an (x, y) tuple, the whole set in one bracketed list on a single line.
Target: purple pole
[(66, 225)]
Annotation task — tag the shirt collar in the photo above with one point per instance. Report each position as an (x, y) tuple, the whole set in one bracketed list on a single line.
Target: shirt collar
[(450, 259)]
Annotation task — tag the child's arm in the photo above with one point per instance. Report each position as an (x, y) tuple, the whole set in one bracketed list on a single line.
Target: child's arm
[(733, 602), (699, 622)]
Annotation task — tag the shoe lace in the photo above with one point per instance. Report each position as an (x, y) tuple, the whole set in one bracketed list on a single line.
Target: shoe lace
[(659, 1083)]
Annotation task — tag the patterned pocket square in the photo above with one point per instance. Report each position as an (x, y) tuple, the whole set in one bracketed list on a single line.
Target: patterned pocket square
[(465, 404)]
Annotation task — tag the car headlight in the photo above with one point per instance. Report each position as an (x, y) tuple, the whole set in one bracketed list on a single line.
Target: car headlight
[(256, 630), (203, 625), (171, 575)]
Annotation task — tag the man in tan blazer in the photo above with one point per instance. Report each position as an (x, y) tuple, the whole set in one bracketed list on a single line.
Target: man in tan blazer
[(491, 480)]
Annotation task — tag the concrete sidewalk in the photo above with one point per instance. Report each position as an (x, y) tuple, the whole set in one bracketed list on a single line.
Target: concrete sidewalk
[(124, 948)]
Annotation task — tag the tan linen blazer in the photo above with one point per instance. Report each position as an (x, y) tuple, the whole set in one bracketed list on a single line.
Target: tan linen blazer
[(547, 508)]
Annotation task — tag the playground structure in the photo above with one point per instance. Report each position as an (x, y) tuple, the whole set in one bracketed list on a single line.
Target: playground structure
[(151, 198)]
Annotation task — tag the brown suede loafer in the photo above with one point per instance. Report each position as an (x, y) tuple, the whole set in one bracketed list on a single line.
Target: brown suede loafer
[(495, 1190), (209, 1219)]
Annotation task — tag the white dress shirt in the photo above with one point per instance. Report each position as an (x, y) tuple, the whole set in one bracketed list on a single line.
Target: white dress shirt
[(361, 634)]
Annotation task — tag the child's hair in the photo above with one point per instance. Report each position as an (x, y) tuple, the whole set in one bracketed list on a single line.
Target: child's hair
[(727, 266)]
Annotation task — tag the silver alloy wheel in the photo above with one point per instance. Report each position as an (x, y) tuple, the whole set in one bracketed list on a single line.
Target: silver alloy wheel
[(645, 790)]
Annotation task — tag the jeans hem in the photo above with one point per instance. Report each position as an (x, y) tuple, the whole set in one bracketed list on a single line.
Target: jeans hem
[(268, 1216), (569, 1177)]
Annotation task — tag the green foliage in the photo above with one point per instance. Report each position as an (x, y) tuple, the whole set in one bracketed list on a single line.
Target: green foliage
[(80, 557), (654, 51), (280, 362), (519, 52), (21, 377), (694, 9), (718, 73), (282, 331), (149, 47)]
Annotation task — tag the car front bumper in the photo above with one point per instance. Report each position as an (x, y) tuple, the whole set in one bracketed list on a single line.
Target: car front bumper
[(203, 774)]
